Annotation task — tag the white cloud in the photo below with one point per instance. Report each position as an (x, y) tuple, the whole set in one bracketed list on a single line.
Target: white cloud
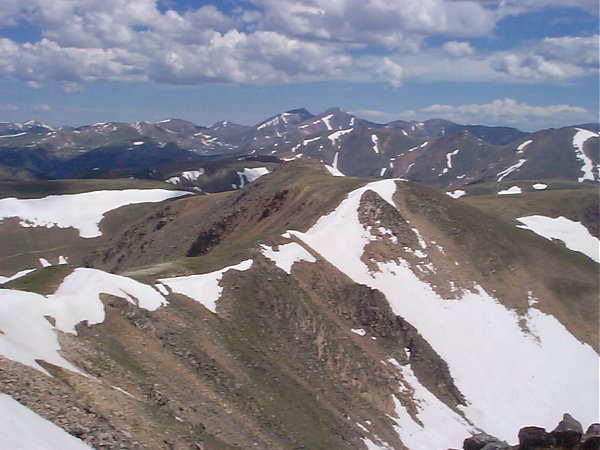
[(389, 23), (8, 107), (42, 107), (510, 112), (70, 87), (276, 41), (458, 49), (391, 72)]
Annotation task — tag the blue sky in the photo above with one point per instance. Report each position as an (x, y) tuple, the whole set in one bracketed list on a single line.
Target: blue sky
[(526, 63)]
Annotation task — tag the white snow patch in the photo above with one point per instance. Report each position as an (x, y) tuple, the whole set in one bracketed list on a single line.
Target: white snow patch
[(63, 260), (539, 186), (204, 288), (138, 143), (511, 169), (308, 141), (44, 262), (286, 255), (375, 141), (22, 429), (458, 193), (82, 211), (359, 331), (26, 333), (192, 175), (19, 274), (521, 147), (510, 191), (251, 174), (575, 236), (530, 384), (333, 169), (382, 172), (12, 135), (326, 121), (422, 243), (335, 136), (449, 158), (578, 142), (439, 424)]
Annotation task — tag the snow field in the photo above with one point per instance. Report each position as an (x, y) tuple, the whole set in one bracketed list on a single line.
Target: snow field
[(581, 136), (286, 255), (203, 288), (26, 333), (22, 429), (510, 376), (575, 236), (82, 211)]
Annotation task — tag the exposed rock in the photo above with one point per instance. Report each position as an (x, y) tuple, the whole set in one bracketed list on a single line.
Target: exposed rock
[(534, 438), (591, 439), (485, 441), (568, 432)]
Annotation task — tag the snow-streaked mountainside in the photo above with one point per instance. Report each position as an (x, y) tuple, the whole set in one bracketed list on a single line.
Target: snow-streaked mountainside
[(300, 310), (436, 152)]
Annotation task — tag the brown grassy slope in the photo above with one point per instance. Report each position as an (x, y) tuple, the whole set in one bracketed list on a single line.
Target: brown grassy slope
[(294, 195)]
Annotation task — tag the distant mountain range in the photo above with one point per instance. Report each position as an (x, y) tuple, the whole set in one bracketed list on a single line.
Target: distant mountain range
[(436, 152)]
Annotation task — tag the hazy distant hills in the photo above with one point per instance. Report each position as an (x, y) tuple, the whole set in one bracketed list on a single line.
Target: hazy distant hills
[(437, 152)]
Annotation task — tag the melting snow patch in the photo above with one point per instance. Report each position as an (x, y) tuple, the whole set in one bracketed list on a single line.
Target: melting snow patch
[(578, 142), (44, 262), (204, 288), (326, 121), (438, 426), (456, 194), (20, 274), (333, 170), (28, 336), (22, 429), (510, 191), (286, 255), (359, 331), (375, 141), (575, 236), (82, 211), (539, 186), (521, 147), (511, 169), (334, 137)]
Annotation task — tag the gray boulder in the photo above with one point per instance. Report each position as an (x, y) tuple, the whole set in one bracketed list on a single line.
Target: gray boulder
[(535, 438), (568, 432), (485, 441)]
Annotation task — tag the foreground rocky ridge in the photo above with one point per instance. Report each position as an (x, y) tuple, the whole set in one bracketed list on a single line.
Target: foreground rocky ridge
[(568, 435), (297, 352)]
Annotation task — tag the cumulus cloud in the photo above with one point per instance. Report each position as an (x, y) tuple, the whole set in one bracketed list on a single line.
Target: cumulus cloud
[(390, 23), (458, 49), (552, 58), (274, 41), (511, 112), (42, 107)]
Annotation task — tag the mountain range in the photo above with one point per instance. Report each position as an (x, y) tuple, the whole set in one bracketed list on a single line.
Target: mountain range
[(436, 152), (317, 282)]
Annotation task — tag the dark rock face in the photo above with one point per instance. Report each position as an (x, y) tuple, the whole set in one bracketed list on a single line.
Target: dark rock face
[(591, 439), (534, 438), (568, 432), (485, 441)]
